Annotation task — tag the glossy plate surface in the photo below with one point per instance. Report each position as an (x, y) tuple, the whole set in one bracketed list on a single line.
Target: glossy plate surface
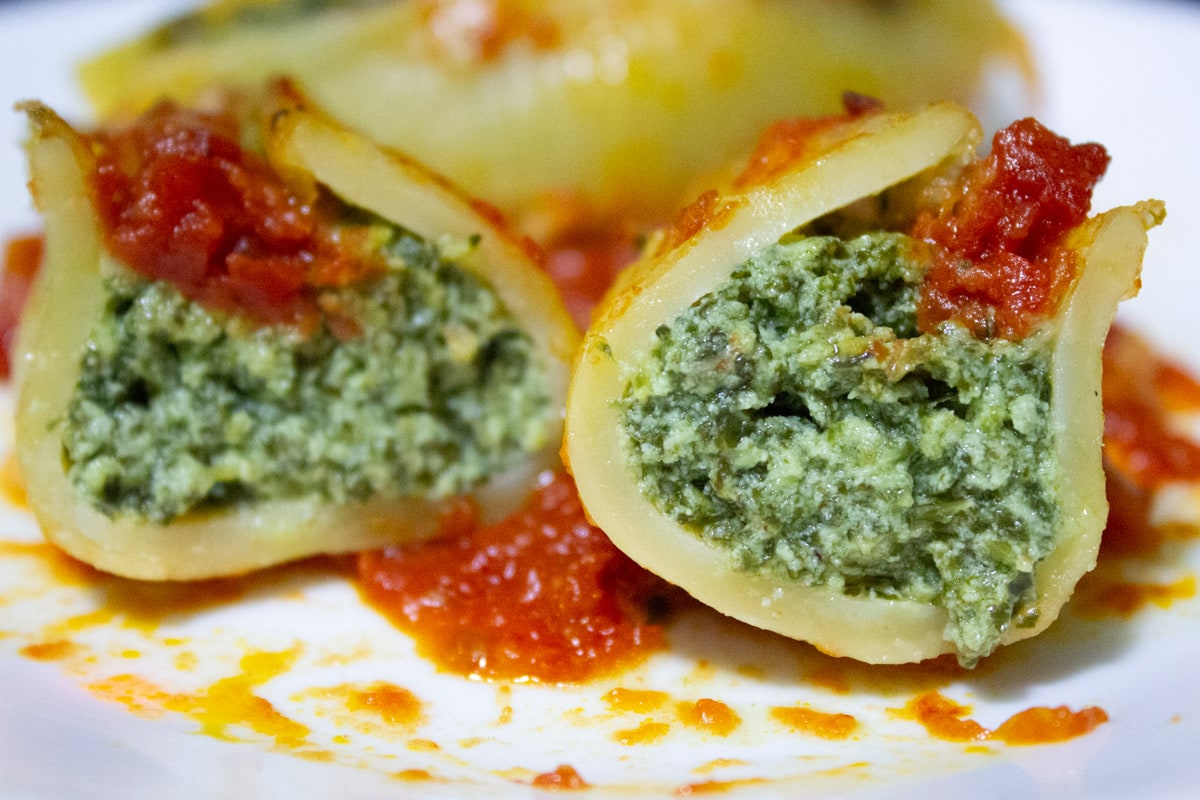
[(253, 688)]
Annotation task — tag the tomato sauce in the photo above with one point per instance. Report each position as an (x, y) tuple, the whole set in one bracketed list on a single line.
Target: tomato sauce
[(999, 266), (22, 259), (540, 596), (584, 261), (708, 210), (181, 200), (1141, 390), (789, 142), (1142, 451)]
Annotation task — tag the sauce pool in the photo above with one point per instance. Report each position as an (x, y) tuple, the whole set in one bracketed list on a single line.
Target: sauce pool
[(541, 596)]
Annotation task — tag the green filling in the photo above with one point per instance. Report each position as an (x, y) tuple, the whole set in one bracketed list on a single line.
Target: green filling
[(180, 409), (795, 417)]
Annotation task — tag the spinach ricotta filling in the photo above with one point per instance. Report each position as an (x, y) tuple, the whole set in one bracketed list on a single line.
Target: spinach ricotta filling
[(796, 418), (178, 408)]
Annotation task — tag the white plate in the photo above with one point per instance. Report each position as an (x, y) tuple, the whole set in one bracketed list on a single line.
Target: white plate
[(1116, 72)]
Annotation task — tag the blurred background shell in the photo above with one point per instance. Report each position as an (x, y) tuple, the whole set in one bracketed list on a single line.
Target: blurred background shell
[(612, 109)]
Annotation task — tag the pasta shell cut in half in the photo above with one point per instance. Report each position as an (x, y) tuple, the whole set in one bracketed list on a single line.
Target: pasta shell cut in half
[(848, 400), (258, 336)]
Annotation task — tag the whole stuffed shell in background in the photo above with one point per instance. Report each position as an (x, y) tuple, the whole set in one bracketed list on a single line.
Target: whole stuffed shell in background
[(616, 105)]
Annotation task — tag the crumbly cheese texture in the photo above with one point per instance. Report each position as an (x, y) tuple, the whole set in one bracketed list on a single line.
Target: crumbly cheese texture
[(179, 408), (796, 418)]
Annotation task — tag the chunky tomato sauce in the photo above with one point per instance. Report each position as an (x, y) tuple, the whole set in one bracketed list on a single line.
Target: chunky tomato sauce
[(1000, 267), (541, 596), (181, 200)]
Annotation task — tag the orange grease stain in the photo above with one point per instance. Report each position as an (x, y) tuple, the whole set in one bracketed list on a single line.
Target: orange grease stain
[(226, 705), (1099, 598), (12, 487), (394, 704), (646, 733), (231, 702), (715, 787), (709, 716), (414, 775), (138, 695), (423, 746), (64, 570), (635, 701), (947, 720), (943, 718), (817, 723), (719, 763), (846, 676), (55, 650), (564, 777)]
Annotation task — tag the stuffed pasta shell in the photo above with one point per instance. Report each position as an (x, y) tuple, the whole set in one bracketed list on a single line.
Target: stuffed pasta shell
[(615, 103), (258, 336), (853, 397)]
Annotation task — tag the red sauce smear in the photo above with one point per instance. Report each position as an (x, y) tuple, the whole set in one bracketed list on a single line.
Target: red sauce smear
[(22, 259), (708, 715), (1040, 725), (789, 142), (180, 200), (541, 596), (583, 261), (945, 719), (395, 705), (709, 210), (1000, 268), (822, 724), (564, 777), (1141, 391)]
